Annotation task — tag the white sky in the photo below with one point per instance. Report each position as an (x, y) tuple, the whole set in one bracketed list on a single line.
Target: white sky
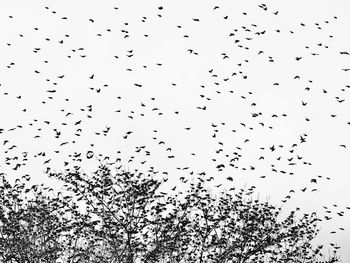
[(228, 97)]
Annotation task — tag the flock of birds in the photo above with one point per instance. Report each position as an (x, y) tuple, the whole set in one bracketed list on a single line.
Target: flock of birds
[(176, 83)]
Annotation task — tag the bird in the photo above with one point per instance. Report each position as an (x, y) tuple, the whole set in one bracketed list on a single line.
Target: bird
[(93, 96)]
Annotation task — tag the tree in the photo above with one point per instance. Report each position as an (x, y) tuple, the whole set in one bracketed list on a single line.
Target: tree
[(130, 219), (117, 212), (32, 223), (122, 217)]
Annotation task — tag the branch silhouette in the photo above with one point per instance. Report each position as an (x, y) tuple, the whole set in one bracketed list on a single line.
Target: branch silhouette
[(123, 217)]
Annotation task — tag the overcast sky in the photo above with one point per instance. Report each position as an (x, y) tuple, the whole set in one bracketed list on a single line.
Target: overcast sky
[(256, 91)]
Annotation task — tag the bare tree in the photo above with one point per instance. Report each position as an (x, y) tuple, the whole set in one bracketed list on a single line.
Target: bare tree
[(130, 219), (32, 224), (122, 217)]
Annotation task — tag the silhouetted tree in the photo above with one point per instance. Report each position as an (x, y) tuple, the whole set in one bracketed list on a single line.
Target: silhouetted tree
[(123, 217), (130, 219), (32, 224)]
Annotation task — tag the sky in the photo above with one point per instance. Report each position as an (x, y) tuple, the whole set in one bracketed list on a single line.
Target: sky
[(256, 91)]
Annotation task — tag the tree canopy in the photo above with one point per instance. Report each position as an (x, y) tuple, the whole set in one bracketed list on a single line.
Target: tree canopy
[(123, 217)]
